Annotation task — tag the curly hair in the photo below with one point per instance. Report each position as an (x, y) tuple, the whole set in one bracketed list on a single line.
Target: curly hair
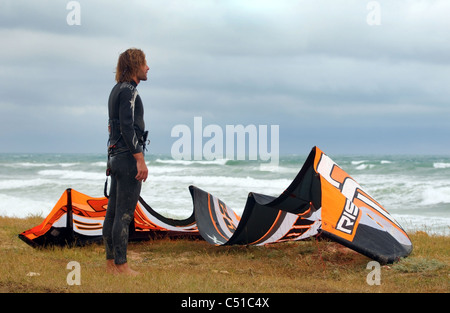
[(128, 64)]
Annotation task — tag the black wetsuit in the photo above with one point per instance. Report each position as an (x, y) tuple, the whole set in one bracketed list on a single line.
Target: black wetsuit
[(126, 129), (126, 119)]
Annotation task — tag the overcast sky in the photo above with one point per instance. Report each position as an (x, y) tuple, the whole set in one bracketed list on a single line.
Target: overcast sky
[(350, 76)]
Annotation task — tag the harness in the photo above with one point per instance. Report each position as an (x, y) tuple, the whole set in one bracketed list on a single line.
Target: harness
[(142, 141)]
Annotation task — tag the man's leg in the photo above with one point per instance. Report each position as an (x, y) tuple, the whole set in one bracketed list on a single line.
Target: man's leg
[(128, 190), (108, 225)]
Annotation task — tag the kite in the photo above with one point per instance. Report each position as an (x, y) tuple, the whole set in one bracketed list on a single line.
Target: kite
[(321, 200), (77, 219)]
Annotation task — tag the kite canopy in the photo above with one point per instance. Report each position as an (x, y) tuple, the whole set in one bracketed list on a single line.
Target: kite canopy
[(77, 219), (322, 199)]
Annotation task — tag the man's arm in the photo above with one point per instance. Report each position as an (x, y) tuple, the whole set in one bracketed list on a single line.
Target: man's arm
[(126, 117), (142, 170)]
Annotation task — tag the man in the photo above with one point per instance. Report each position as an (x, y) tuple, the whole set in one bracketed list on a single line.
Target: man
[(126, 163)]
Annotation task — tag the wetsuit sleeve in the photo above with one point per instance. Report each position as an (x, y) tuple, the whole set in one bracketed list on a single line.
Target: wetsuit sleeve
[(126, 116)]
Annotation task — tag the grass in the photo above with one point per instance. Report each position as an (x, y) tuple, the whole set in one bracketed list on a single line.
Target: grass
[(194, 266)]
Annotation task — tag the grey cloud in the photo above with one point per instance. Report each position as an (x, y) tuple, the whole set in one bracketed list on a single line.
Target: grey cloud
[(299, 64)]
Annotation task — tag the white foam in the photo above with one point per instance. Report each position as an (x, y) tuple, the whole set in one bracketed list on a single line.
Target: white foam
[(276, 168), (163, 169), (33, 164), (21, 183), (244, 183), (441, 165), (28, 165), (99, 164), (364, 166), (68, 164), (435, 195), (22, 207), (64, 174), (429, 224), (188, 162)]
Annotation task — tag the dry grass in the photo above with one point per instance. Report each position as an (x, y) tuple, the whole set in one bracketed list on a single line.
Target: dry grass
[(186, 266)]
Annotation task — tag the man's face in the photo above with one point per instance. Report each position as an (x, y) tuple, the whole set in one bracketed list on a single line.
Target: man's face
[(142, 72)]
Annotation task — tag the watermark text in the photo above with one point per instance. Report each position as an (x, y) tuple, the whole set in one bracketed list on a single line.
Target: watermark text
[(235, 143), (74, 15), (74, 276), (374, 15), (374, 276)]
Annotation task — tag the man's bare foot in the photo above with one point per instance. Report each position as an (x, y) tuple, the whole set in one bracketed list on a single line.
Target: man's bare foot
[(125, 269), (111, 267)]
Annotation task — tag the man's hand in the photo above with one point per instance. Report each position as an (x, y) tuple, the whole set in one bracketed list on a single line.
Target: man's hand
[(142, 170)]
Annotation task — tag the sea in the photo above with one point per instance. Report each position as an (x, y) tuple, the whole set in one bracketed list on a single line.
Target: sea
[(415, 189)]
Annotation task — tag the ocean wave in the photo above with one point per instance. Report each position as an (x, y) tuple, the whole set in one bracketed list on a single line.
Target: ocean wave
[(275, 168), (23, 183), (28, 165), (360, 165), (21, 207), (441, 165), (430, 224), (403, 185), (364, 166), (34, 165), (65, 174), (405, 192), (358, 162), (435, 195), (99, 164), (67, 164), (191, 162), (163, 169), (223, 181)]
